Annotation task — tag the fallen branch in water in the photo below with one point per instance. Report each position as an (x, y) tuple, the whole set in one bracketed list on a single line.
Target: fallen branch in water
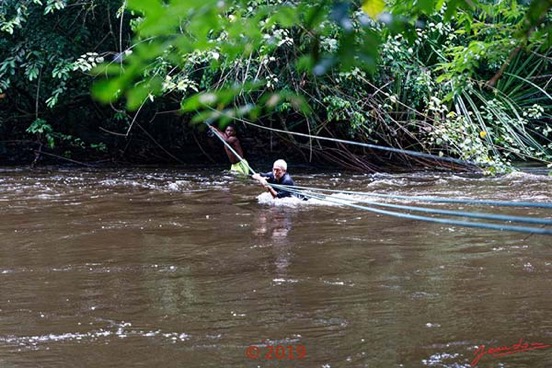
[(40, 152)]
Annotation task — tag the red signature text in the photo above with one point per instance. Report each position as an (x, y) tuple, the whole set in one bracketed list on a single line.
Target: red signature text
[(279, 352), (500, 351)]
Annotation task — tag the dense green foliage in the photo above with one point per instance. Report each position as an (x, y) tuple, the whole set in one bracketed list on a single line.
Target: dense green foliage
[(454, 78), (46, 50)]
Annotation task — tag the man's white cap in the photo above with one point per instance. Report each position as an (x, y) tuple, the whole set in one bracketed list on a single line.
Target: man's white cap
[(280, 164)]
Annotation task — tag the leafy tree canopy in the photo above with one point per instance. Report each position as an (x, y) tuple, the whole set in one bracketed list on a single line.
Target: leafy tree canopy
[(463, 78), (239, 29)]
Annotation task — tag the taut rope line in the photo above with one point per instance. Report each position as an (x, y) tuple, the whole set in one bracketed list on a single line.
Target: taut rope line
[(482, 225), (439, 199), (308, 192), (367, 145)]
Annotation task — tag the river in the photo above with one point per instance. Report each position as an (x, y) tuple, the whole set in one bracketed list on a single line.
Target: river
[(180, 267)]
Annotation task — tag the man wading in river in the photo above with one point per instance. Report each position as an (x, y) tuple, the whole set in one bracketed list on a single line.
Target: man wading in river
[(280, 176), (235, 155)]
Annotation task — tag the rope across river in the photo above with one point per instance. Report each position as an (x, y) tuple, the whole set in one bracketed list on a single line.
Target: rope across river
[(345, 198)]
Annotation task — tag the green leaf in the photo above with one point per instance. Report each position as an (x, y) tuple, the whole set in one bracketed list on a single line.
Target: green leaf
[(197, 101), (313, 15), (156, 21), (107, 90), (297, 101), (147, 7), (452, 7), (202, 26), (51, 142), (305, 63), (106, 69), (286, 17), (373, 7), (140, 93), (426, 6)]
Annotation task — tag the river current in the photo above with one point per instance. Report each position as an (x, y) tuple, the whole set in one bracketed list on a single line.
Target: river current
[(180, 267)]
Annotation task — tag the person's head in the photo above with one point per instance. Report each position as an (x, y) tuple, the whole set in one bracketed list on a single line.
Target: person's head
[(279, 168), (230, 130)]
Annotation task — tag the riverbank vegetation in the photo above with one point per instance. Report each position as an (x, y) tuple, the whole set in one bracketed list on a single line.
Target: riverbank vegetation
[(468, 80)]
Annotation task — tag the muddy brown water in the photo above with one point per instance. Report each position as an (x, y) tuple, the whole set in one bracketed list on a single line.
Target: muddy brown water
[(191, 268)]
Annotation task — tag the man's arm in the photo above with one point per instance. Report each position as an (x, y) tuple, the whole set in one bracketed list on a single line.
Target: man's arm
[(218, 132), (262, 180)]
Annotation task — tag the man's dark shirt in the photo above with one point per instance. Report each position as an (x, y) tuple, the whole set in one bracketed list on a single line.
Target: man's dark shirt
[(285, 180)]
